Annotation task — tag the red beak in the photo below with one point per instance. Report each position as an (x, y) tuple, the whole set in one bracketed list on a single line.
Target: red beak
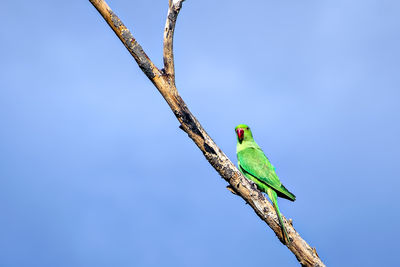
[(240, 134)]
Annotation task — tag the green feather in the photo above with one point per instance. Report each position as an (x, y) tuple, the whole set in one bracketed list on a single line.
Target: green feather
[(256, 167), (254, 162)]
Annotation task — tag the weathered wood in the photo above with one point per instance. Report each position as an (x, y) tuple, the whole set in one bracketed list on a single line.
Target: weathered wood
[(164, 81), (168, 51)]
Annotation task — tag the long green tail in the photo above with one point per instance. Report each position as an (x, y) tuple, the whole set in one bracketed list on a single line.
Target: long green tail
[(272, 195)]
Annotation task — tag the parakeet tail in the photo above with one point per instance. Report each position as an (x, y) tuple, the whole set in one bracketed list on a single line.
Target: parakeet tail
[(273, 196)]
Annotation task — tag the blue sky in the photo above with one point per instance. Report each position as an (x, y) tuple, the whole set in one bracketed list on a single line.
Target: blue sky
[(94, 170)]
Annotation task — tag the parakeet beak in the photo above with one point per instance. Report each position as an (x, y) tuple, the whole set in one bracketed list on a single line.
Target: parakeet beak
[(240, 134)]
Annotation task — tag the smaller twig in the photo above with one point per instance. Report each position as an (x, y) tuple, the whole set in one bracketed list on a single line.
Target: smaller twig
[(230, 188), (315, 251), (173, 11)]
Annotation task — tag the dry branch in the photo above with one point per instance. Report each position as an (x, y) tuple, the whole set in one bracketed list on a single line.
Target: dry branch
[(164, 81), (173, 11)]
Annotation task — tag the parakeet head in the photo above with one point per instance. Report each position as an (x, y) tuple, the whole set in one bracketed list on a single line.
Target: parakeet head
[(243, 133)]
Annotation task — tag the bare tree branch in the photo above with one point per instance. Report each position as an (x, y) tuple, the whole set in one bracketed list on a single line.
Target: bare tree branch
[(165, 83), (147, 66), (173, 11)]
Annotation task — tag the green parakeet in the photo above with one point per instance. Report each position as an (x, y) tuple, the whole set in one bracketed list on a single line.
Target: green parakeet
[(256, 167)]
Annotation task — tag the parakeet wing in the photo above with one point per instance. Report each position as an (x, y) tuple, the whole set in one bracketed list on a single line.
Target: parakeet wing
[(253, 161)]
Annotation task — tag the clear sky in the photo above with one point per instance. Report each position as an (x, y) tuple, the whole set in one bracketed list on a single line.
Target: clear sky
[(94, 170)]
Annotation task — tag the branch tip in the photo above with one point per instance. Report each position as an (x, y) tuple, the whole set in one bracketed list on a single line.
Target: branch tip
[(177, 3)]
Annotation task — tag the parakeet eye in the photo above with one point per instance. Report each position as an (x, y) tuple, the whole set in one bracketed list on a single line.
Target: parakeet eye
[(247, 128)]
